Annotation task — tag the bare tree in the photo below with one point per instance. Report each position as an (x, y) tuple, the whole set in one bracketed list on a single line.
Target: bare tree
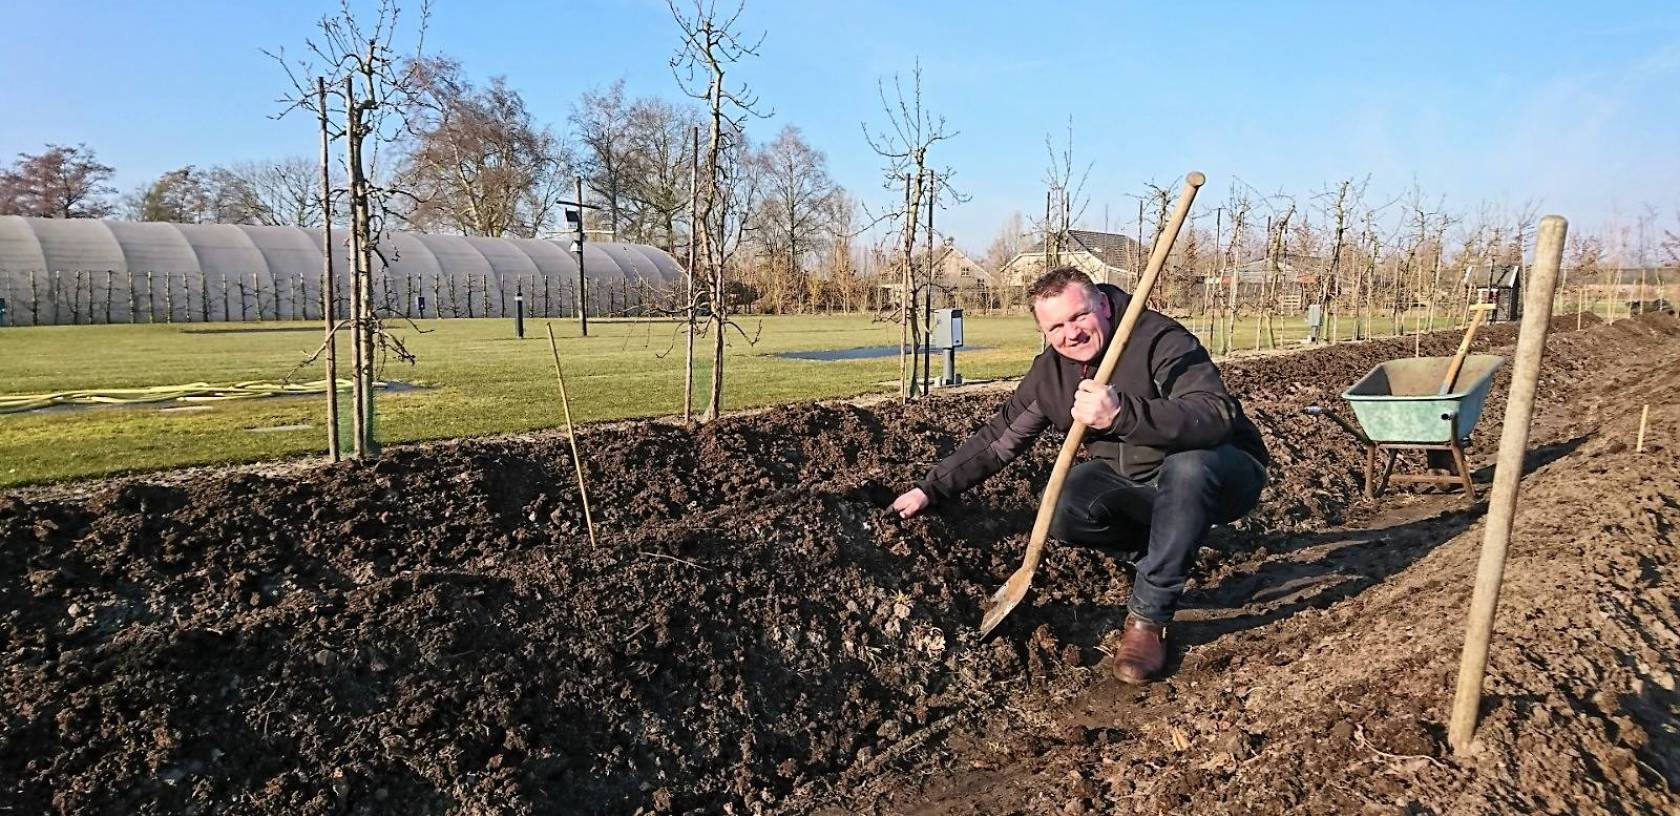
[(280, 192), (793, 214), (711, 46), (1238, 208), (849, 268), (1157, 200), (1005, 246), (58, 182), (657, 171), (602, 122), (478, 164), (1064, 197), (374, 91), (904, 145), (181, 196)]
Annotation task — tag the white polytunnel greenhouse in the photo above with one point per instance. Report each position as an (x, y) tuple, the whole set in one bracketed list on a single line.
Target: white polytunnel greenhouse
[(65, 271)]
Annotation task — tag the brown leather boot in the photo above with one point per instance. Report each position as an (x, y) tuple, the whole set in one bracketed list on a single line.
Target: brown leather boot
[(1143, 651)]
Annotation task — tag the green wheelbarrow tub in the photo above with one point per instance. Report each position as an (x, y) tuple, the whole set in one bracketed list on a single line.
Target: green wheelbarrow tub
[(1397, 402)]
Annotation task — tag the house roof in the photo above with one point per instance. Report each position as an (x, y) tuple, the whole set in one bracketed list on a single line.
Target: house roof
[(1288, 262), (1491, 274), (1292, 266), (941, 255), (1113, 249), (1118, 251), (949, 261)]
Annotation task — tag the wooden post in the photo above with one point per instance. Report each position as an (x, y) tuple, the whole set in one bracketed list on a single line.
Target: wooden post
[(927, 296), (906, 309), (691, 305), (1502, 501), (364, 260), (1644, 417), (328, 286), (358, 294)]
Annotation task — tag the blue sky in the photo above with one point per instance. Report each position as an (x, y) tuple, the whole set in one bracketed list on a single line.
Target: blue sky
[(1575, 105)]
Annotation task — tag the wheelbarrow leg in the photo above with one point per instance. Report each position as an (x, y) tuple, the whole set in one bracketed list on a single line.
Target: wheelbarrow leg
[(1388, 470), (1370, 471), (1463, 465)]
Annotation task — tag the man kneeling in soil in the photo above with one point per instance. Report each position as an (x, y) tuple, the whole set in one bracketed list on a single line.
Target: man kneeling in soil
[(1171, 453)]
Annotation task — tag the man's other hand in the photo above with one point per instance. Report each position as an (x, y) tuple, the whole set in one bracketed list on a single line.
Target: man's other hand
[(1095, 405), (912, 502)]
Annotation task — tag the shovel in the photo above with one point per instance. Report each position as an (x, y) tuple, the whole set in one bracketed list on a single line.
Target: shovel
[(1011, 593), (1476, 313)]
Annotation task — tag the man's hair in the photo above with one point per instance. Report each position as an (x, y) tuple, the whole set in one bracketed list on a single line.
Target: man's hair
[(1055, 282)]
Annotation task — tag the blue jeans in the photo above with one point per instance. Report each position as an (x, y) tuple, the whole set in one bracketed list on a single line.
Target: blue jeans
[(1166, 518)]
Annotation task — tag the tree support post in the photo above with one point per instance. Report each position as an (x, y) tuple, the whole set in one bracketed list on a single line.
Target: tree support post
[(1502, 503), (328, 288), (358, 293)]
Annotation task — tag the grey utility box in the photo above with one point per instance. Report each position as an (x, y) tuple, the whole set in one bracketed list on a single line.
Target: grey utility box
[(947, 328), (947, 336)]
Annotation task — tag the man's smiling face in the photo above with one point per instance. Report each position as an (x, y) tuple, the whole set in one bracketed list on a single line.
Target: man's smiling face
[(1075, 323)]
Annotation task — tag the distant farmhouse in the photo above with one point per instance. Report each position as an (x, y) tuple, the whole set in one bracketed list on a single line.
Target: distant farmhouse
[(956, 277), (1107, 257), (1296, 279)]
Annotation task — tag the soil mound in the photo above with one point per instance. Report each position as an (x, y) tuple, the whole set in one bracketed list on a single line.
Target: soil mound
[(432, 632)]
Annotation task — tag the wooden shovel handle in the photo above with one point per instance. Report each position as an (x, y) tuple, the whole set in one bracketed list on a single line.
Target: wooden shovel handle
[(1476, 313), (1111, 359)]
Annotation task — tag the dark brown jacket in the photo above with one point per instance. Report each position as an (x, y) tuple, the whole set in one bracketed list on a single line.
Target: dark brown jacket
[(1171, 399)]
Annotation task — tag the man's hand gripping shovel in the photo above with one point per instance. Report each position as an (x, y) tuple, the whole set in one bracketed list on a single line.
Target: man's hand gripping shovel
[(1011, 593)]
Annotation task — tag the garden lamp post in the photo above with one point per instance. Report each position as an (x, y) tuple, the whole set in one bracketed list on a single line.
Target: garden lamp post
[(575, 215)]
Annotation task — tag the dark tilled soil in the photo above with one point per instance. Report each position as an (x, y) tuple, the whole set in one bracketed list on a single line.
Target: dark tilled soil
[(433, 632)]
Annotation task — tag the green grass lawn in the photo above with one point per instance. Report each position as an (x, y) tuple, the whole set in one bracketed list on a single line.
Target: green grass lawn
[(476, 378)]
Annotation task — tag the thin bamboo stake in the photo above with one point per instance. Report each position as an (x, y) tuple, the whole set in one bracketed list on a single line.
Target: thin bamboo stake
[(571, 435), (1644, 417), (1502, 501)]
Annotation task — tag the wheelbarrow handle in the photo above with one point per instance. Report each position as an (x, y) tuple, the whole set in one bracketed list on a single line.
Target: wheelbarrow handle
[(1321, 411)]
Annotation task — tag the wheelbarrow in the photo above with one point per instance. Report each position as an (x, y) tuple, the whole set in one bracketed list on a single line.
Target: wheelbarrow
[(1401, 405)]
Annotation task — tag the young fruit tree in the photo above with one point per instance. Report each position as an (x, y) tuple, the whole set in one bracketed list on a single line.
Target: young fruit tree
[(370, 90), (727, 185), (904, 146)]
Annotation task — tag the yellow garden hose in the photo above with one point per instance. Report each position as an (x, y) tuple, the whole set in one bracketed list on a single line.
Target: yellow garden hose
[(191, 392)]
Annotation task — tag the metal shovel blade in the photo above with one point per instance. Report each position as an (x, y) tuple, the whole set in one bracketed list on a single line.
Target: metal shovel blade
[(1005, 599)]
